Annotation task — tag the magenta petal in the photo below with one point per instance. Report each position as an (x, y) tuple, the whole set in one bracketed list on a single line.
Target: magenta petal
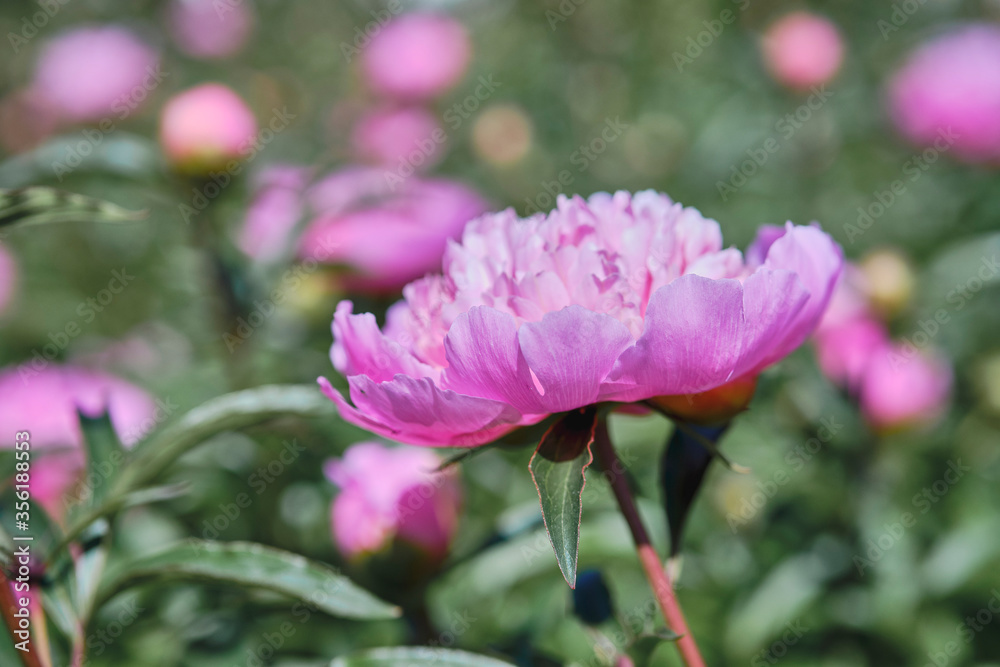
[(817, 261), (691, 341), (418, 412), (772, 303), (360, 348), (484, 360), (571, 352)]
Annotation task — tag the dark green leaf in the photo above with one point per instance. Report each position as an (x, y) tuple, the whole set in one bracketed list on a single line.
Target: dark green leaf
[(36, 206), (105, 456), (416, 656), (682, 471), (256, 566), (558, 469)]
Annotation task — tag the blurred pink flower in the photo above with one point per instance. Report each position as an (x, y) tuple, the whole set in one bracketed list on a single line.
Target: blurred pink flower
[(45, 403), (407, 135), (417, 56), (385, 238), (210, 28), (276, 208), (389, 493), (903, 388), (8, 278), (845, 351), (205, 127), (949, 90), (616, 298), (89, 74), (802, 50)]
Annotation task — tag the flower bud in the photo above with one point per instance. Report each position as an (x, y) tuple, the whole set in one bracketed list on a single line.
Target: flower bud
[(392, 494), (205, 127), (887, 281), (803, 50), (904, 388), (209, 28)]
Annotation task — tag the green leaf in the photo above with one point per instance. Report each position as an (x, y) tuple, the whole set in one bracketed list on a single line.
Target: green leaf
[(416, 656), (37, 205), (105, 456), (558, 469), (642, 649), (255, 566)]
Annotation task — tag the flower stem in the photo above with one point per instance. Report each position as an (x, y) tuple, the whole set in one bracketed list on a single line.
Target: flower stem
[(8, 605), (651, 564)]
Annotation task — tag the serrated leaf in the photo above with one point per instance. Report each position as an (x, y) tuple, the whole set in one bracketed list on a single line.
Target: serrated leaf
[(416, 656), (38, 205), (256, 566), (682, 470), (558, 469)]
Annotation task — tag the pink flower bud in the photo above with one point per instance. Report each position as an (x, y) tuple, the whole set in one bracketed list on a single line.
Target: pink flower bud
[(845, 351), (276, 207), (88, 74), (394, 137), (803, 50), (205, 127), (392, 493), (947, 94), (210, 28), (417, 56), (904, 388)]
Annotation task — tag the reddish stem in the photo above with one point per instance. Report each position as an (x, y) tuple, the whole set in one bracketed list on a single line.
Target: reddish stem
[(651, 564)]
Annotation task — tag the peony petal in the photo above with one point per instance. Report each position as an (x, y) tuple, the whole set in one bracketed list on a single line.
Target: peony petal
[(816, 260), (571, 352), (416, 411), (485, 360), (772, 302), (691, 341), (360, 348)]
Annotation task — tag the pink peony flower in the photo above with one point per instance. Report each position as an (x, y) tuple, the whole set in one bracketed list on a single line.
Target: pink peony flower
[(903, 388), (948, 93), (845, 352), (276, 208), (45, 402), (204, 128), (89, 74), (8, 278), (407, 136), (392, 493), (803, 50), (386, 238), (417, 56), (616, 298), (209, 28)]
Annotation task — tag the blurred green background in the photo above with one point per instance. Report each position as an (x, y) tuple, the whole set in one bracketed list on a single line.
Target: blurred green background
[(793, 560)]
